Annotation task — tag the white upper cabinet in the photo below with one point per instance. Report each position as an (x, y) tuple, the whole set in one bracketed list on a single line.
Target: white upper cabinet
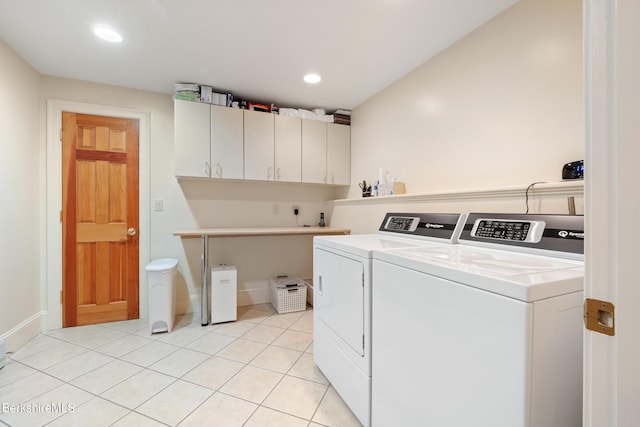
[(212, 141), (314, 151), (288, 149), (226, 143), (338, 154), (258, 145), (192, 139)]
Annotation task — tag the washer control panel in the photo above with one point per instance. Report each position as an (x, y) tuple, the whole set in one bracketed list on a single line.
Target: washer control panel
[(544, 234), (503, 229)]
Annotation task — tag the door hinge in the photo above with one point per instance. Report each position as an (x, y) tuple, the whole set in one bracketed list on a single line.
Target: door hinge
[(599, 316), (61, 216), (363, 342), (363, 279), (61, 297), (60, 135)]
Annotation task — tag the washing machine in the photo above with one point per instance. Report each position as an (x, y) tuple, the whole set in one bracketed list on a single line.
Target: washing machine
[(342, 297), (484, 333)]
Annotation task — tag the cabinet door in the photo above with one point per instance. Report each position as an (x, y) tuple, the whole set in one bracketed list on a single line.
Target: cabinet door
[(227, 143), (192, 139), (288, 149), (258, 145), (314, 151), (338, 154)]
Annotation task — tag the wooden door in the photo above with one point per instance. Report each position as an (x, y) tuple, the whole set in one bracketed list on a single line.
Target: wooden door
[(100, 219)]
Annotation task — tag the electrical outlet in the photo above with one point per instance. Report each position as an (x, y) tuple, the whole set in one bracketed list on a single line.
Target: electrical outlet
[(276, 209), (158, 205), (296, 210)]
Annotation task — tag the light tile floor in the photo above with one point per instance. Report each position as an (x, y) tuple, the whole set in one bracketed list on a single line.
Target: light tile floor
[(256, 372)]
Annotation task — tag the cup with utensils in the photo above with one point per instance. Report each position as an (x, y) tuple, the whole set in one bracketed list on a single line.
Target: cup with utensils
[(366, 189)]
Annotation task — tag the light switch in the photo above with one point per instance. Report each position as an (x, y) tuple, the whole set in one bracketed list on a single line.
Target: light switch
[(158, 205)]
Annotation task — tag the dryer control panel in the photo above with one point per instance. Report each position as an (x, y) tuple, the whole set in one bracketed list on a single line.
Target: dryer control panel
[(403, 223), (431, 226)]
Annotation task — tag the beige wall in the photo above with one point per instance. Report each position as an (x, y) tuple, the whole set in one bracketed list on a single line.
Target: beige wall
[(502, 107), (21, 169)]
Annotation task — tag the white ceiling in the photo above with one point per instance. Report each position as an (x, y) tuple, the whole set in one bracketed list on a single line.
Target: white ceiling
[(257, 49)]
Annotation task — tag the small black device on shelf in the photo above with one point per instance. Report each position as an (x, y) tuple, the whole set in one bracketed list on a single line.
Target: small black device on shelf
[(573, 170)]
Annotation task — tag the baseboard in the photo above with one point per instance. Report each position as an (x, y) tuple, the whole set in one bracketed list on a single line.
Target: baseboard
[(253, 296), (188, 305), (24, 332), (256, 292)]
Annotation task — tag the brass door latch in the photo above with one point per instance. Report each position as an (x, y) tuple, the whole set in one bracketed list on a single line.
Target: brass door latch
[(599, 316)]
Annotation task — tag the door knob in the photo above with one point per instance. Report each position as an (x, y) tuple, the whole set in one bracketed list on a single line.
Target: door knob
[(131, 231)]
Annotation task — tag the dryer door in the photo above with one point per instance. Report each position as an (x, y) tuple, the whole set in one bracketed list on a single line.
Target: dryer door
[(338, 299)]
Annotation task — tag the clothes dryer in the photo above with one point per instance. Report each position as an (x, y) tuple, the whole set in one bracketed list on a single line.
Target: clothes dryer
[(342, 297)]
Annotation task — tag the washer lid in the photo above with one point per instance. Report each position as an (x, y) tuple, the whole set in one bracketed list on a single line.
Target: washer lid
[(522, 276)]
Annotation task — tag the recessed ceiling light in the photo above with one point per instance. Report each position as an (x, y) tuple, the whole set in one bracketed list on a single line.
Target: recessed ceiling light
[(312, 78), (107, 34)]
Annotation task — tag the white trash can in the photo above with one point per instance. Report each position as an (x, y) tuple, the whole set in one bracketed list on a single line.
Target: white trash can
[(161, 278)]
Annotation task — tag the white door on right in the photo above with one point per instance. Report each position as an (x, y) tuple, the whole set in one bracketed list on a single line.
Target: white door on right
[(612, 91)]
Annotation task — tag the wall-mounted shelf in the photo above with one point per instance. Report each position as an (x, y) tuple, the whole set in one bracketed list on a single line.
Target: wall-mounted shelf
[(564, 188)]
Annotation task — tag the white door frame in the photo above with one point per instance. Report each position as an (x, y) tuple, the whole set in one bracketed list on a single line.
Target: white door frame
[(52, 283), (612, 203)]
